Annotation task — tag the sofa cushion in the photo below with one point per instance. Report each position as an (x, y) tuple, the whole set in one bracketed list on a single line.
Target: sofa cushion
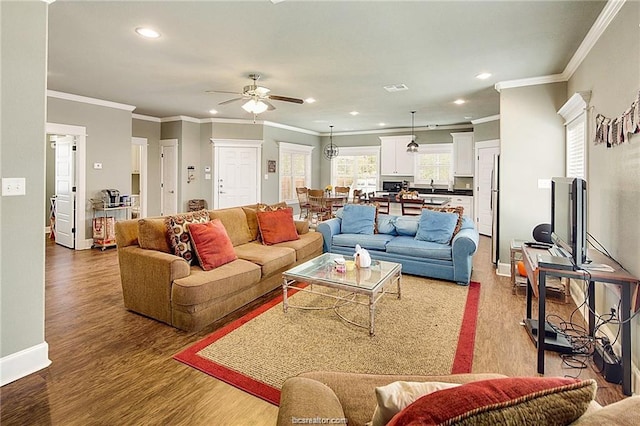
[(513, 401), (407, 225), (459, 210), (203, 286), (624, 412), (436, 227), (270, 258), (178, 235), (235, 222), (211, 244), (358, 219), (277, 226), (307, 245), (369, 242), (409, 246), (386, 224), (152, 234), (252, 222)]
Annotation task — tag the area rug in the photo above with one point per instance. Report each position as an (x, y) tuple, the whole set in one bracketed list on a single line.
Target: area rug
[(430, 330)]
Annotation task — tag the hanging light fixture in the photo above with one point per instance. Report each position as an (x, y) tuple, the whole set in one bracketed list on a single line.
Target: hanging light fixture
[(412, 146), (330, 151), (255, 107)]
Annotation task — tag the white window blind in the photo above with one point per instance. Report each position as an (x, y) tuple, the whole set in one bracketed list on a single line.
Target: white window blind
[(576, 138), (295, 169)]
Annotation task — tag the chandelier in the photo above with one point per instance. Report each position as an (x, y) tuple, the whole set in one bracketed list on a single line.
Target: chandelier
[(412, 146), (330, 151)]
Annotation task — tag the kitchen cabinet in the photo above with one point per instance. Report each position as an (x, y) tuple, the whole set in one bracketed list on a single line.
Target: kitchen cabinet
[(463, 154), (135, 159), (394, 158), (464, 201)]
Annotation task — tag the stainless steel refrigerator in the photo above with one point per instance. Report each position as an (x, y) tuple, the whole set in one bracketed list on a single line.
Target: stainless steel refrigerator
[(495, 209)]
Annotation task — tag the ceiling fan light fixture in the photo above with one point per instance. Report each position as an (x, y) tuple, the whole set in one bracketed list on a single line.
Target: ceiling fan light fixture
[(412, 146), (255, 107), (330, 151)]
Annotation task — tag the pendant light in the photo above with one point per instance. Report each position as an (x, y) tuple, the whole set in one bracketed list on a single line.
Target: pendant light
[(412, 146), (330, 151)]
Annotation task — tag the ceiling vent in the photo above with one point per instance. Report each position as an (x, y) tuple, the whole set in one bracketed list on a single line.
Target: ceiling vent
[(396, 87)]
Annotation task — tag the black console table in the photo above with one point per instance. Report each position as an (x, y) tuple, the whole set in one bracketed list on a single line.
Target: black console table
[(536, 277)]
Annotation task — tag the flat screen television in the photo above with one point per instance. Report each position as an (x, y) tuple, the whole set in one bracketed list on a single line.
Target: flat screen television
[(569, 218)]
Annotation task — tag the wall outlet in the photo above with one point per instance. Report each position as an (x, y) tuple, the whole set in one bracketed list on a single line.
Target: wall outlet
[(13, 186)]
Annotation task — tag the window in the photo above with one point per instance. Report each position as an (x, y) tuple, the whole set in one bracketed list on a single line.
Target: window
[(434, 161), (574, 112), (295, 170), (357, 168)]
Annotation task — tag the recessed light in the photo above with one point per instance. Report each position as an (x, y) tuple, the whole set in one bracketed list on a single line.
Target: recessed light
[(147, 32), (483, 76), (382, 124), (459, 101), (213, 111), (354, 113), (468, 117), (309, 100)]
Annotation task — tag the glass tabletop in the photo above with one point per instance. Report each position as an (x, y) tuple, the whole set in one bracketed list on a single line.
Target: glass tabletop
[(323, 269)]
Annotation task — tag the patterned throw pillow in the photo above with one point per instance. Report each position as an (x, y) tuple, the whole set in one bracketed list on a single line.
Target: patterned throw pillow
[(459, 210), (178, 234)]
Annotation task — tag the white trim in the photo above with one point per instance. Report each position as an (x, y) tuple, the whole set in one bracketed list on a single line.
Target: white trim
[(403, 129), (251, 143), (351, 151), (22, 363), (146, 117), (80, 132), (533, 81), (486, 144), (294, 147), (607, 14), (230, 121), (87, 100), (143, 174), (504, 269), (486, 119), (181, 118), (576, 105), (292, 128)]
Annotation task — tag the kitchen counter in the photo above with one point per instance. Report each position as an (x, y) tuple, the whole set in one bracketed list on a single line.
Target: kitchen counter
[(443, 191), (435, 201)]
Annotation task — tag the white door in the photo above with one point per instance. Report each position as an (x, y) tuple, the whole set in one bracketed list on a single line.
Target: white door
[(169, 177), (65, 191), (484, 208), (139, 159), (238, 174)]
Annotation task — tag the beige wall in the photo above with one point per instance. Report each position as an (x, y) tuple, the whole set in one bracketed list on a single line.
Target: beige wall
[(486, 131)]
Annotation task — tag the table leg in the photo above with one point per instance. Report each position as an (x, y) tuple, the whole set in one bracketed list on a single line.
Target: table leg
[(626, 339), (591, 301), (541, 319), (372, 314), (285, 302), (399, 279), (529, 297)]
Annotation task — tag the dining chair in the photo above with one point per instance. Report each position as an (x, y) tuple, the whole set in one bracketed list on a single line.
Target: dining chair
[(382, 202), (317, 204), (303, 200), (411, 207), (341, 192), (371, 195), (358, 196)]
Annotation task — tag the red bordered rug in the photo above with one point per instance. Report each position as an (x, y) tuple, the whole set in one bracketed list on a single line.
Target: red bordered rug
[(258, 351)]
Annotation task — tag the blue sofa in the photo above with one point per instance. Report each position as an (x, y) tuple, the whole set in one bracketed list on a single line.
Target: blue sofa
[(395, 242)]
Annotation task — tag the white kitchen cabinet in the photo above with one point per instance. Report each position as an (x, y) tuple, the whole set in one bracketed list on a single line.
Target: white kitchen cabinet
[(465, 201), (394, 158), (463, 154), (135, 159)]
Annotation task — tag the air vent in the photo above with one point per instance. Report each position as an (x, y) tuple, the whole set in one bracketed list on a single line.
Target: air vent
[(396, 87)]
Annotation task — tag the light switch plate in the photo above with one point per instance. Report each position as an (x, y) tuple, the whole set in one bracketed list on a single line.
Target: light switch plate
[(97, 166), (13, 186)]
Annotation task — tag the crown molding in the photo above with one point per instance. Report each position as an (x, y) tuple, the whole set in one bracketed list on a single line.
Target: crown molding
[(87, 100), (607, 14), (230, 121), (146, 118), (400, 129), (575, 106), (486, 119), (181, 118), (291, 128), (600, 25)]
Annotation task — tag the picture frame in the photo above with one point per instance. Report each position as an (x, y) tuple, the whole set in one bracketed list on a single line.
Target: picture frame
[(271, 166)]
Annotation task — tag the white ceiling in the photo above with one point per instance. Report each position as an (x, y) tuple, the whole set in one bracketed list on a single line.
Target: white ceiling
[(340, 53)]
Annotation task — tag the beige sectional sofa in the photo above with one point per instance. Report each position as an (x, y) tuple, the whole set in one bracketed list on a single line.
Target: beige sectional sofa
[(160, 285)]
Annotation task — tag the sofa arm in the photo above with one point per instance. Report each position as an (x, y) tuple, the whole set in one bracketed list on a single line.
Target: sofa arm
[(303, 398), (147, 276), (328, 229), (302, 226), (463, 247)]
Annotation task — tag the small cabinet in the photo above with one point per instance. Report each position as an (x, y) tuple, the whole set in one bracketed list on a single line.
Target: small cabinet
[(394, 158), (464, 201), (462, 154)]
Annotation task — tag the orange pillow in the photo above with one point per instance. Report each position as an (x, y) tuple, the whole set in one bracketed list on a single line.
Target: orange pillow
[(212, 244), (277, 226)]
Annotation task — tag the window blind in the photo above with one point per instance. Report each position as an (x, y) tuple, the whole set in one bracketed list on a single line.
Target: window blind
[(576, 141)]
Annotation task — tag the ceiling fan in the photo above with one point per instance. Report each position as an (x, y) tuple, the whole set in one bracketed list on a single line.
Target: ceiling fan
[(257, 97)]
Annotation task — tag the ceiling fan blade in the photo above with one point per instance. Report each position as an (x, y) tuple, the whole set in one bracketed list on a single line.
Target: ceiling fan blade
[(270, 106), (285, 99), (223, 91), (230, 100)]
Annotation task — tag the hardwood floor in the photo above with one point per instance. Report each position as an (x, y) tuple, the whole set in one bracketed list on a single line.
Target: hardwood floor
[(111, 366)]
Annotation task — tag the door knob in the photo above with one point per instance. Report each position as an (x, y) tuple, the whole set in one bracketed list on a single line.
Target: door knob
[(170, 192)]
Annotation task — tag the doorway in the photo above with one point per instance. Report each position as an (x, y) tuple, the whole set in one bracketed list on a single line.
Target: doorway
[(68, 184), (168, 177), (237, 169), (139, 177), (485, 152)]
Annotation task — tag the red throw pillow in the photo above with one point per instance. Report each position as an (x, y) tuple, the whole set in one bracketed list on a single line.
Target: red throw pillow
[(514, 401), (277, 226), (212, 244)]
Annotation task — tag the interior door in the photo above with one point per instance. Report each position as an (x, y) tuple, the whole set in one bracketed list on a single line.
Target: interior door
[(65, 191), (169, 177), (483, 189), (237, 180)]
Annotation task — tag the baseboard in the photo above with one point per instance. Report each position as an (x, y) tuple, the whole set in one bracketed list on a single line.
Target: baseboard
[(504, 269), (47, 230), (85, 245), (23, 363)]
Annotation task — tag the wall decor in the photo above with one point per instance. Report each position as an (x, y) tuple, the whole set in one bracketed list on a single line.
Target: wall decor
[(614, 131), (271, 166)]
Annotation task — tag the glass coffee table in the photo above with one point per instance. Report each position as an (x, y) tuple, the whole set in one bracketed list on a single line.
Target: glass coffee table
[(321, 271)]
